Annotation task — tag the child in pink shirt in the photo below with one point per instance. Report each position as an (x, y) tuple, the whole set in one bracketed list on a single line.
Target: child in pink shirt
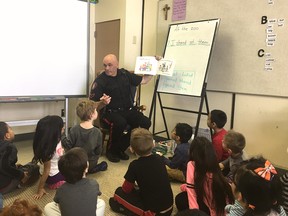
[(206, 188)]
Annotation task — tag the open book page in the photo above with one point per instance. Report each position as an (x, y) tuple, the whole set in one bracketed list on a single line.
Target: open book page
[(146, 65), (150, 66), (166, 67)]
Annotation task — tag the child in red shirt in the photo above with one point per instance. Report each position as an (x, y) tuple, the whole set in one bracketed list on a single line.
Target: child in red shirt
[(216, 121)]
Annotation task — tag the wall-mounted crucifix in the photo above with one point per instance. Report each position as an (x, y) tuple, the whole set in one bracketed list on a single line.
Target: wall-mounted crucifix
[(165, 9)]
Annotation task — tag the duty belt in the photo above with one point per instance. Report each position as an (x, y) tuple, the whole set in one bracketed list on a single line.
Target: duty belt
[(120, 109)]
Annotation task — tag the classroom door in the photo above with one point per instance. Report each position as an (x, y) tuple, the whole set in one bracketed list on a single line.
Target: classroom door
[(107, 39)]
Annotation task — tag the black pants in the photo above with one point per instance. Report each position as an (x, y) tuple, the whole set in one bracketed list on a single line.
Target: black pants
[(133, 203), (119, 122), (181, 201)]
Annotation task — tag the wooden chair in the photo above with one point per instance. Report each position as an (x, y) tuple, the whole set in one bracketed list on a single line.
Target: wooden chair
[(105, 131)]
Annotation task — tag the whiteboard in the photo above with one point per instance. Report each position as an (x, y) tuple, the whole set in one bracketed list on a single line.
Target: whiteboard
[(236, 66), (189, 45), (43, 48)]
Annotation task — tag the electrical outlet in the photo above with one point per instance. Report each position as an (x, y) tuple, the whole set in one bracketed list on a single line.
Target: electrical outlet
[(62, 113)]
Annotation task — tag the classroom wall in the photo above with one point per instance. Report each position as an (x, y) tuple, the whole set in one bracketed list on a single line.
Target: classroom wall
[(260, 118), (28, 111), (263, 120), (149, 47), (129, 13)]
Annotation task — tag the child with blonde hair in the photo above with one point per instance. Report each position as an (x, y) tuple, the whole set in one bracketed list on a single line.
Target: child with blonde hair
[(233, 142), (86, 136), (146, 189)]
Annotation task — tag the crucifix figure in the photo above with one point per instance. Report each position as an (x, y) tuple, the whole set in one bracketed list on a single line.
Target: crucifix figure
[(165, 9)]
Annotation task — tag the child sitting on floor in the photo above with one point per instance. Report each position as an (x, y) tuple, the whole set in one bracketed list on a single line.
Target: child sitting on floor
[(153, 193), (258, 189), (47, 150), (234, 143), (12, 175), (216, 121), (239, 206), (87, 136), (79, 195), (206, 188), (177, 165)]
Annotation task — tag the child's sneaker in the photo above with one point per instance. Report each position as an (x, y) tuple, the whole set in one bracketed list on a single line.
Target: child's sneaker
[(99, 167)]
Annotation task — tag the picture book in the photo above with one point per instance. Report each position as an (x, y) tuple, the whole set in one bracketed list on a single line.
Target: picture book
[(150, 66)]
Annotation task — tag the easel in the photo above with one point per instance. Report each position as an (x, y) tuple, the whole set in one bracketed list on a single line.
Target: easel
[(203, 99), (190, 77)]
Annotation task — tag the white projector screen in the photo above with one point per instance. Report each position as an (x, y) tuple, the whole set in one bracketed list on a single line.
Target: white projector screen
[(43, 48)]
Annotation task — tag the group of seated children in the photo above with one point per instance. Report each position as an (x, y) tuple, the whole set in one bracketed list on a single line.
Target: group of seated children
[(48, 149), (73, 165), (50, 143), (250, 187)]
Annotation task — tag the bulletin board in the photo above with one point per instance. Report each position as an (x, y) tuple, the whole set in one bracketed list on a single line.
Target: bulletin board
[(250, 52)]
